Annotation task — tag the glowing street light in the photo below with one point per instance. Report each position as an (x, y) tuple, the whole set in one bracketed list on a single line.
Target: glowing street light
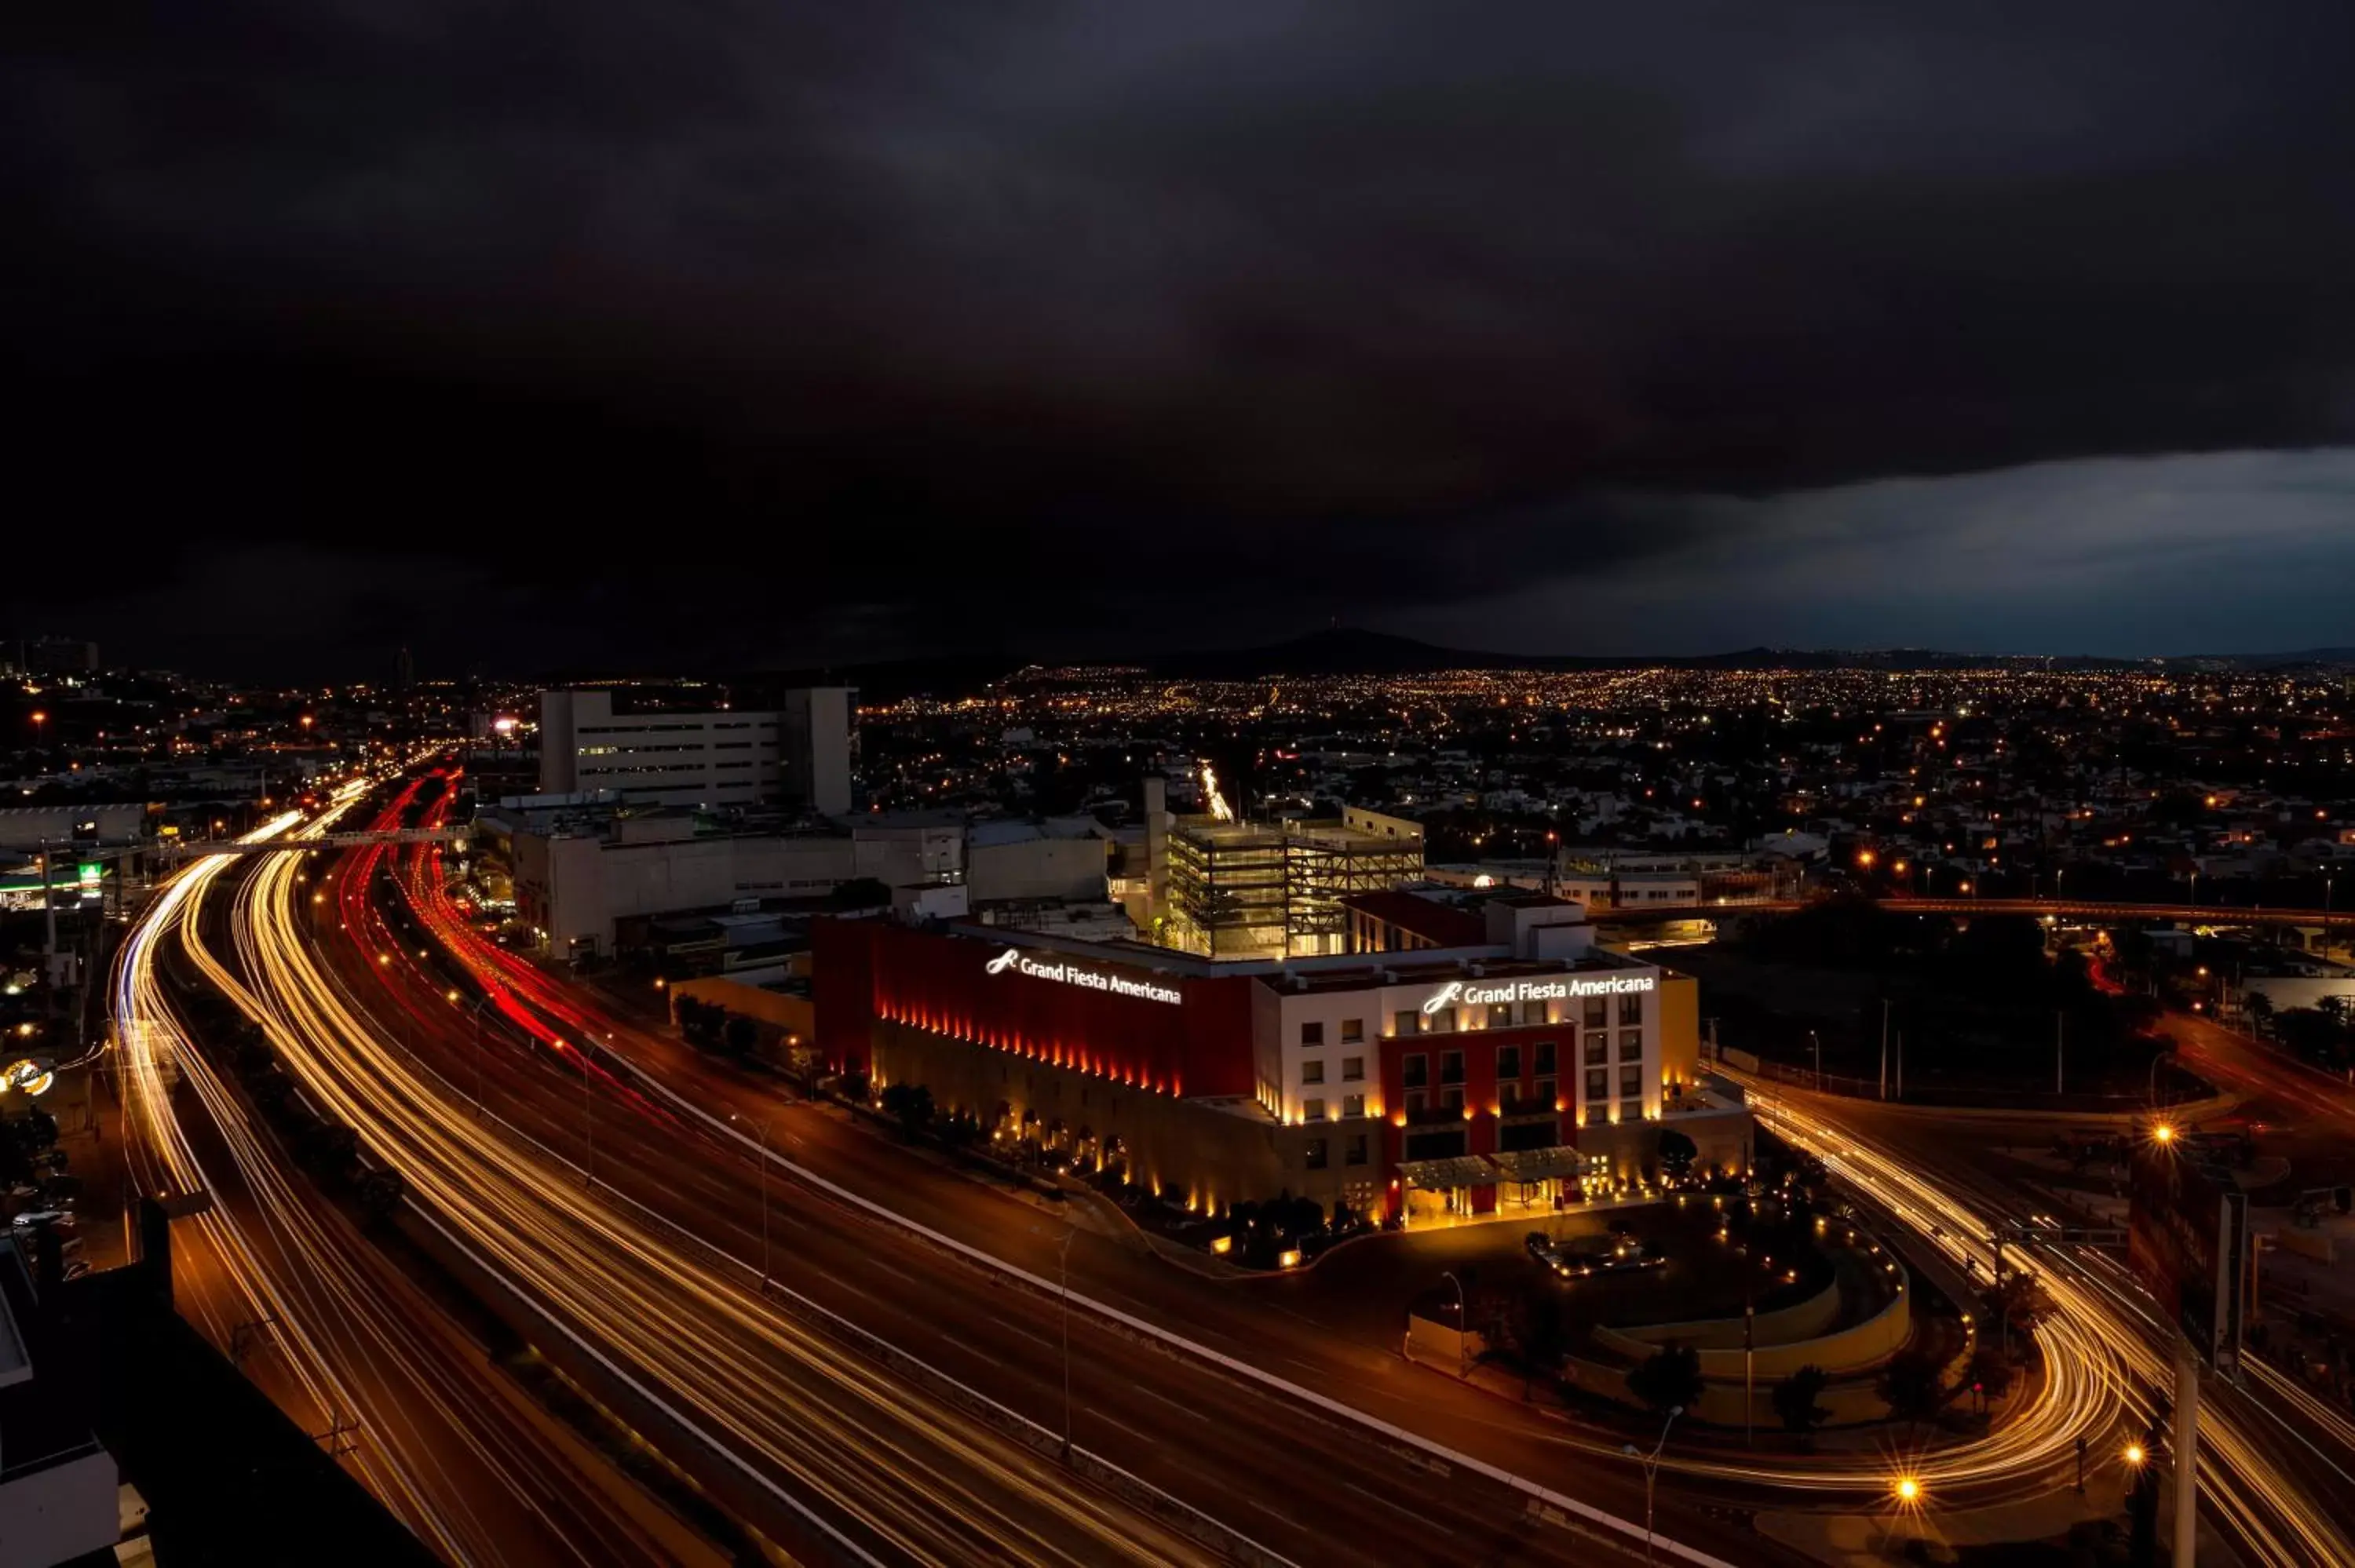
[(1909, 1490), (2163, 1133), (2135, 1454)]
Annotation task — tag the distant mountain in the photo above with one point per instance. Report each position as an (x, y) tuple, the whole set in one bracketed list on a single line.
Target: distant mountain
[(1356, 650), (1353, 650), (2314, 659)]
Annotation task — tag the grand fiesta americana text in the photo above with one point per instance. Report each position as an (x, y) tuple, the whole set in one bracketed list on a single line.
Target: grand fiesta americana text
[(1473, 994), (1070, 973)]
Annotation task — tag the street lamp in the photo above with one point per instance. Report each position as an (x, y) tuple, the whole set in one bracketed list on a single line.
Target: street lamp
[(588, 1114), (1907, 1491), (1651, 1464), (1462, 1323), (1818, 1040), (761, 1127), (1063, 1271)]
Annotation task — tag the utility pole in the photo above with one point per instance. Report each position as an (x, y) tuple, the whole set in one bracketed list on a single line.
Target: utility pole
[(588, 1116), (2002, 1300), (1884, 1047), (1901, 1064), (2187, 1452), (1749, 1364), (2060, 1028)]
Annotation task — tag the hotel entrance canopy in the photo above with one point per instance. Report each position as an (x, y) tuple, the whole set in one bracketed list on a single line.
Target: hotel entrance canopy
[(1446, 1175), (1542, 1164)]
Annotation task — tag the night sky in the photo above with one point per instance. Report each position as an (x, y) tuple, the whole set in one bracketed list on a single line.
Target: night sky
[(755, 333)]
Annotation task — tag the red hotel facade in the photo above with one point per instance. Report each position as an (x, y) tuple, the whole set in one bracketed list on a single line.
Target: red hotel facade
[(1434, 1082)]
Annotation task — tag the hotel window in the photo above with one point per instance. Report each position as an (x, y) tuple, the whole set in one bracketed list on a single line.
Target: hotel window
[(1353, 1069), (1353, 1105), (1500, 1015), (1451, 1066), (1598, 1084), (1414, 1103), (1631, 1008), (1406, 1023), (1312, 1033), (1598, 1011), (1443, 1021), (1598, 1050), (1545, 1057), (1353, 1150), (1452, 1097), (1631, 1045), (1414, 1070), (1509, 1093), (1312, 1110), (1313, 1154), (1508, 1061), (1631, 1078), (1312, 1070), (1631, 1110), (1545, 1095), (1353, 1031)]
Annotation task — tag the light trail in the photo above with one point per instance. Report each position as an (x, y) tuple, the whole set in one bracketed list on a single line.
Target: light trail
[(823, 1435), (432, 1441), (2025, 1454), (2102, 1325)]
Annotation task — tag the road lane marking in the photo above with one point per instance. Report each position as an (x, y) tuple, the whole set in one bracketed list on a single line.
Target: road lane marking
[(1164, 1399)]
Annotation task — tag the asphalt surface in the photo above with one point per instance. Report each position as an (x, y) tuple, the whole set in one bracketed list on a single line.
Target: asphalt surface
[(353, 1346), (2274, 1462)]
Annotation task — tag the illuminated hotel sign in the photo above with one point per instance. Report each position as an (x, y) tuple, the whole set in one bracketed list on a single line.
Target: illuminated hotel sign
[(1477, 995), (31, 1074), (1070, 973)]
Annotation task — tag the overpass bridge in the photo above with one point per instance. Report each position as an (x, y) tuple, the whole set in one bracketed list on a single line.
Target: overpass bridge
[(2060, 908), (282, 843)]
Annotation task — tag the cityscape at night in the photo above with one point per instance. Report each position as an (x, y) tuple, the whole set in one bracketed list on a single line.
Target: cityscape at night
[(1230, 784)]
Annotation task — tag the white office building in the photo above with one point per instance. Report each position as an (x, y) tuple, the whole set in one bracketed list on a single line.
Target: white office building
[(800, 754)]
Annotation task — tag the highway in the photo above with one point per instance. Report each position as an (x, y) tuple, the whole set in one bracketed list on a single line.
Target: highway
[(815, 1446), (2271, 1460), (341, 1338)]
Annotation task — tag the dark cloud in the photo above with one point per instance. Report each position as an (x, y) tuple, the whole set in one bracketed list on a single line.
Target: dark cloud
[(739, 330)]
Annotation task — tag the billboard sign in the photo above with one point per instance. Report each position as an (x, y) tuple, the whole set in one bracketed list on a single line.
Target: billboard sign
[(2188, 1241)]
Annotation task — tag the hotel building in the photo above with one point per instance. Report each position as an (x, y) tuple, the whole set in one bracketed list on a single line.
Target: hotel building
[(1489, 1077)]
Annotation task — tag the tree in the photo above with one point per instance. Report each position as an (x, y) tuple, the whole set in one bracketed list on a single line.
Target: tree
[(1991, 1372), (380, 1193), (2313, 1033), (1795, 1402), (911, 1103), (1678, 1151), (741, 1034), (1911, 1387), (699, 1020), (1670, 1377)]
